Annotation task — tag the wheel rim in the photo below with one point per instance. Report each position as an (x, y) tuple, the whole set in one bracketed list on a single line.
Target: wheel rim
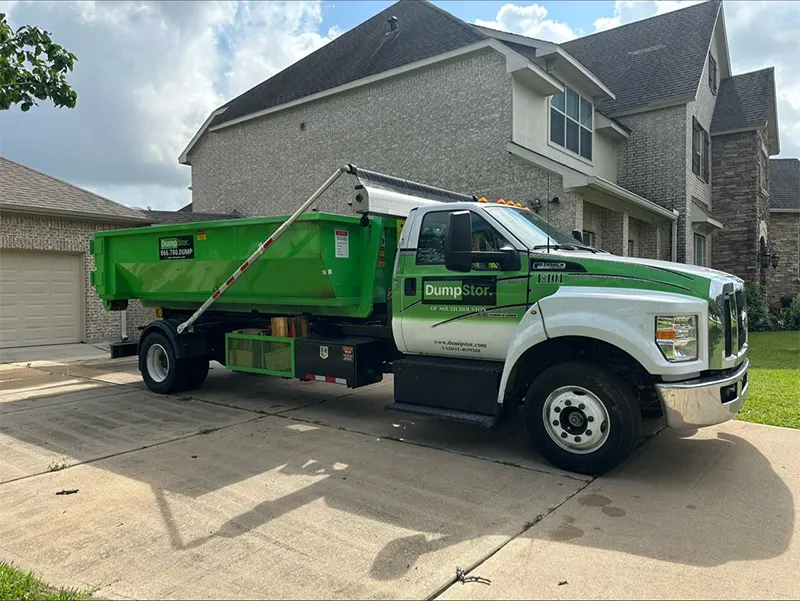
[(576, 419), (157, 363)]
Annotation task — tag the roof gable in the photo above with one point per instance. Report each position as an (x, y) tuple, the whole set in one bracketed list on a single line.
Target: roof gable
[(26, 190), (651, 61), (744, 101), (423, 31), (784, 184)]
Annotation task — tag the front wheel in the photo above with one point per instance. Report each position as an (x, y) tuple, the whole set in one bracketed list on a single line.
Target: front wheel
[(582, 418)]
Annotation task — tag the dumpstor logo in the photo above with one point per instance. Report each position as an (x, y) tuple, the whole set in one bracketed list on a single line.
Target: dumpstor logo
[(474, 291)]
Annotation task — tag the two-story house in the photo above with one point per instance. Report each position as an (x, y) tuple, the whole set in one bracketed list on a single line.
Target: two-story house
[(613, 134)]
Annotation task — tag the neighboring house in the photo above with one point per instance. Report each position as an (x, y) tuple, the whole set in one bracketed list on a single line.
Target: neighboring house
[(639, 137), (45, 228), (784, 229)]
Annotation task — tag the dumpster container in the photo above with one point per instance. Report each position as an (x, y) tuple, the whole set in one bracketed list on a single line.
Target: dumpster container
[(325, 264)]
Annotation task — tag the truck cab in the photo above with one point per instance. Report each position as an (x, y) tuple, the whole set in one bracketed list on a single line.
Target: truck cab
[(488, 296)]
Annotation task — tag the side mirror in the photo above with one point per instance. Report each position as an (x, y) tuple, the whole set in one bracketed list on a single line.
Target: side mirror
[(578, 235), (458, 242)]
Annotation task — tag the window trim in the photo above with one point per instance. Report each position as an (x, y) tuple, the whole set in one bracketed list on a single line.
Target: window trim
[(695, 237), (592, 235), (701, 151), (551, 108)]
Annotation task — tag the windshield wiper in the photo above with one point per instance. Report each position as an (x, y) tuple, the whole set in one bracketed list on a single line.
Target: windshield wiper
[(566, 247)]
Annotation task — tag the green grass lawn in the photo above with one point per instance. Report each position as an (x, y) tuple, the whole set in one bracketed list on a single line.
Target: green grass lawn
[(16, 584), (774, 396)]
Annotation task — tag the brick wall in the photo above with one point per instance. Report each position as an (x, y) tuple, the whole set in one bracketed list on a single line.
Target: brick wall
[(593, 222), (739, 203), (784, 235), (455, 139), (652, 163), (645, 238), (27, 232), (615, 232)]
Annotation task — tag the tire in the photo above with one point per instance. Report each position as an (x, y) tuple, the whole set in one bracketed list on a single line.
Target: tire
[(196, 372), (162, 372), (576, 395)]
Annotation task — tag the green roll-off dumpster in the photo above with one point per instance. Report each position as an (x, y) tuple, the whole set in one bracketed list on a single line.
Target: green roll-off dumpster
[(325, 264)]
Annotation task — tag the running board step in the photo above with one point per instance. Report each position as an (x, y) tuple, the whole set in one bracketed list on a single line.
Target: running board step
[(452, 415)]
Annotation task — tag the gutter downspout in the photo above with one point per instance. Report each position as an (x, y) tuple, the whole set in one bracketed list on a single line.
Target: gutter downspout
[(123, 324), (675, 237)]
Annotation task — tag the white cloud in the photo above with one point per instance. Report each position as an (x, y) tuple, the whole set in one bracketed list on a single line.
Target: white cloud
[(760, 34), (148, 75), (627, 11), (530, 21)]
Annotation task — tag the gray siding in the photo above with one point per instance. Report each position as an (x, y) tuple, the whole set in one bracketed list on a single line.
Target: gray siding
[(445, 126)]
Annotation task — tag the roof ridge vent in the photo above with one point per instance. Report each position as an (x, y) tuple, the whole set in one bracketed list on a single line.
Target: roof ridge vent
[(643, 50)]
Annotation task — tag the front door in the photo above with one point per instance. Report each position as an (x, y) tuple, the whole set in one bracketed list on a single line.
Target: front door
[(470, 315)]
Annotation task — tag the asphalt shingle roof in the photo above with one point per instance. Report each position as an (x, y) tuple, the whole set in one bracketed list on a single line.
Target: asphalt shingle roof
[(784, 183), (650, 60), (423, 31), (744, 101), (23, 188)]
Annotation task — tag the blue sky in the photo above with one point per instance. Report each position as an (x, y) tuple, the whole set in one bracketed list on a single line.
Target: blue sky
[(580, 14)]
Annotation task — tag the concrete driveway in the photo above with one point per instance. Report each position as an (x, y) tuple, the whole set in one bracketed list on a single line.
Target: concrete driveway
[(257, 487)]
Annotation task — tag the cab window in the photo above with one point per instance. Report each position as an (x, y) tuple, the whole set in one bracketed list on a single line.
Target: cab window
[(430, 248)]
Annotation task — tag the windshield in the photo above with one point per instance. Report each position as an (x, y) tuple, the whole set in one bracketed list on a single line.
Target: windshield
[(531, 229)]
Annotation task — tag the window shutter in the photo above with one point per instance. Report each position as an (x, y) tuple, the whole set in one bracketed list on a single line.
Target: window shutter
[(706, 155), (695, 149), (712, 74)]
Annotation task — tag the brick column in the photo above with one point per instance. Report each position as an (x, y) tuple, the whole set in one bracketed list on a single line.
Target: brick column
[(615, 232)]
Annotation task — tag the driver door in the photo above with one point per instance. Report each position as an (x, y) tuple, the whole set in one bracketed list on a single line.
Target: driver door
[(471, 315)]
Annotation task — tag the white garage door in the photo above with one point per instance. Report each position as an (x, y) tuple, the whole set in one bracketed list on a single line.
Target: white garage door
[(41, 298)]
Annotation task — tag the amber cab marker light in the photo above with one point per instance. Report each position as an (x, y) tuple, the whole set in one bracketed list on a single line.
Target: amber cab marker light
[(666, 335), (501, 202), (481, 199)]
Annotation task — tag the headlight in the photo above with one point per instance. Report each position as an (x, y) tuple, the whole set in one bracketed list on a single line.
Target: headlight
[(676, 336)]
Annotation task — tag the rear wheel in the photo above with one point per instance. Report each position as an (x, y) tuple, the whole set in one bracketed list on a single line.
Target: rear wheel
[(582, 417), (163, 372), (197, 372)]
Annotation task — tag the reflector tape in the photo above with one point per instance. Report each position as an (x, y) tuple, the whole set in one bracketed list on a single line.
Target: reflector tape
[(329, 379)]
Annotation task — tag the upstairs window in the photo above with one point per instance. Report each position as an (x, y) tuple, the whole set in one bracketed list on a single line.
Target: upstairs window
[(712, 74), (571, 122), (701, 155)]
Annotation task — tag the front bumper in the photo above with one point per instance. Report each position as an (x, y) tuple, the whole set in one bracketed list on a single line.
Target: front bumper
[(704, 402)]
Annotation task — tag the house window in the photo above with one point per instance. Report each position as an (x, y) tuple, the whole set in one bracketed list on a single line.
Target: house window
[(588, 237), (701, 145), (571, 122), (712, 74), (631, 248), (700, 250)]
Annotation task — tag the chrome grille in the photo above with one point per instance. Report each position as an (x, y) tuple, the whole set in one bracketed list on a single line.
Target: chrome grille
[(727, 324)]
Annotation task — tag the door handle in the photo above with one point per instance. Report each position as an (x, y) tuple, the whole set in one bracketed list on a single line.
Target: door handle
[(410, 286)]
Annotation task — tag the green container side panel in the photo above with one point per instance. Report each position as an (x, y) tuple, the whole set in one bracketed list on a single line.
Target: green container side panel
[(269, 355), (323, 264)]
